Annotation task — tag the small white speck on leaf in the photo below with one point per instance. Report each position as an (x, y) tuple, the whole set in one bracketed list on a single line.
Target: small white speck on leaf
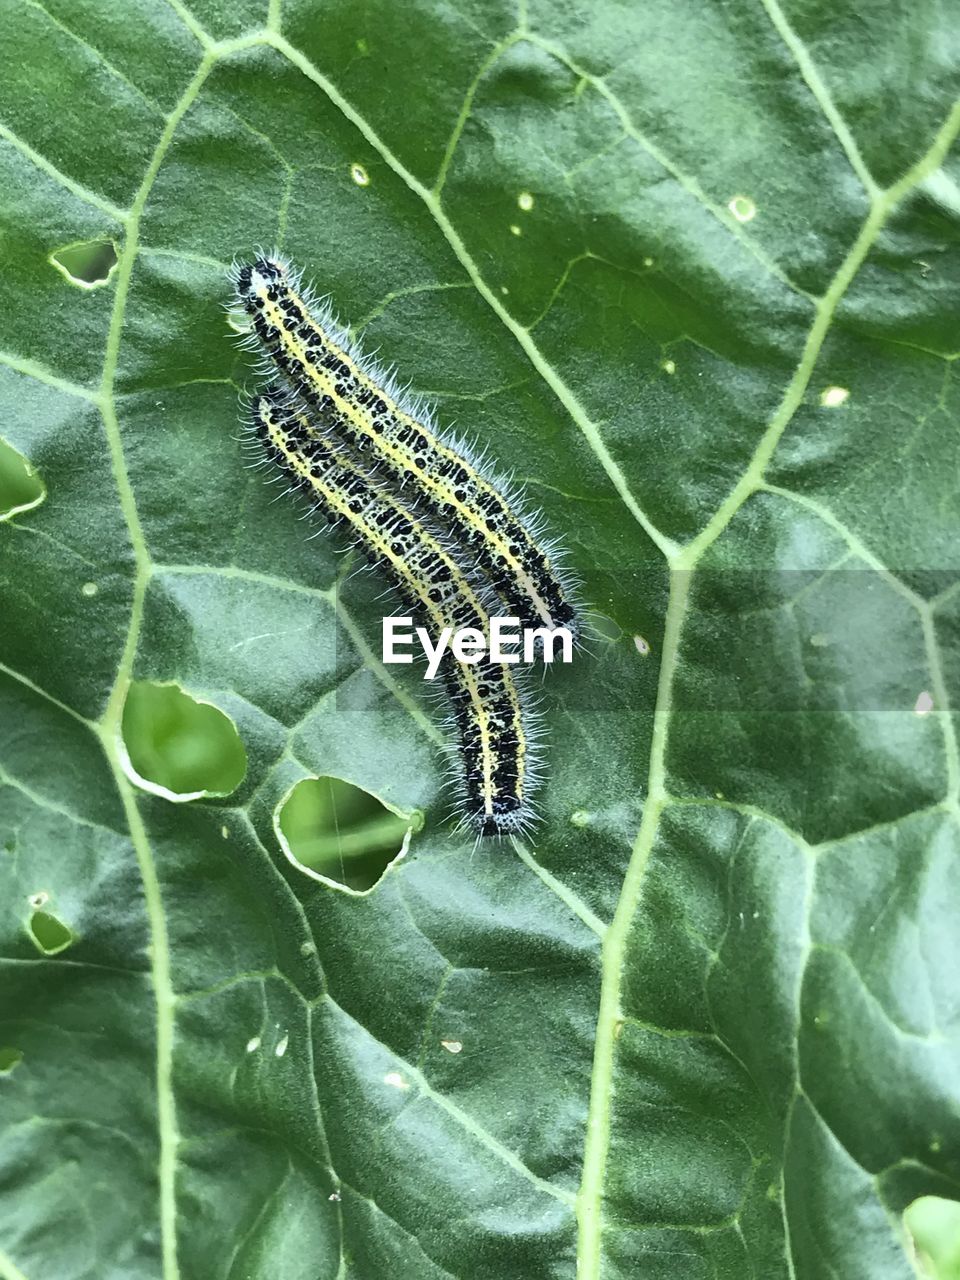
[(39, 899), (89, 589), (742, 208), (642, 646), (395, 1080), (525, 201), (335, 1196), (648, 262), (924, 704), (580, 818), (253, 1044), (669, 366), (515, 230), (360, 176), (452, 1046), (833, 397), (225, 832), (281, 1048)]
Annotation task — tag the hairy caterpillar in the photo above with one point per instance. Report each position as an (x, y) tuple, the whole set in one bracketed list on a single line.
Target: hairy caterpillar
[(353, 400), (494, 725)]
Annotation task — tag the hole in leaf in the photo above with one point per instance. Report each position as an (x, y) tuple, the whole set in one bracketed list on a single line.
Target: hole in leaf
[(180, 748), (742, 208), (341, 834), (87, 264), (9, 1058), (20, 487), (50, 935), (934, 1226)]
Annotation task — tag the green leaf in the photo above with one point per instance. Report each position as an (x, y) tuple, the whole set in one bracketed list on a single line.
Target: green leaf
[(692, 275)]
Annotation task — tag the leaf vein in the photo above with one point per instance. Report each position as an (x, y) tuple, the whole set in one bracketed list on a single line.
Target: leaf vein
[(465, 1121), (75, 188), (814, 81)]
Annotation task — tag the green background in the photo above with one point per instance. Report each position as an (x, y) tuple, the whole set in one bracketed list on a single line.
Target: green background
[(214, 1066)]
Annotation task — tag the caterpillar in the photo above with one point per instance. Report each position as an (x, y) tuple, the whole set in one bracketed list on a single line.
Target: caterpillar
[(495, 725), (355, 401)]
